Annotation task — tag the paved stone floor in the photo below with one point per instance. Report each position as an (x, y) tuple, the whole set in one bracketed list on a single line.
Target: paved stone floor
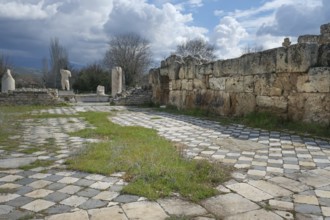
[(278, 175)]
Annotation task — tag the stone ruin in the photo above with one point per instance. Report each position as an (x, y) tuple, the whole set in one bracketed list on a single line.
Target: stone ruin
[(116, 81), (11, 96), (100, 90), (7, 82), (292, 81), (131, 96)]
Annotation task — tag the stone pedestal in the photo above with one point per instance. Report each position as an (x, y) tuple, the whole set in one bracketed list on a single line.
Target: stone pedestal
[(7, 82), (117, 81)]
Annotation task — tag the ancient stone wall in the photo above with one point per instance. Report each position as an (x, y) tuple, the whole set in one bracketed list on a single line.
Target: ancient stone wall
[(292, 82), (29, 97)]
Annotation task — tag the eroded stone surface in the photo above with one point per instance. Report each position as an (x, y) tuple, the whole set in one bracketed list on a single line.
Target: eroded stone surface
[(229, 204), (144, 210), (181, 208)]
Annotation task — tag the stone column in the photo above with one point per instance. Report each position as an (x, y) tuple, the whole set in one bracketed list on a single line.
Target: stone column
[(116, 81), (7, 82)]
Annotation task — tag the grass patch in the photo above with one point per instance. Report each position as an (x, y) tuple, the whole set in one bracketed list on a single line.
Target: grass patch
[(27, 217), (7, 190), (30, 150), (37, 163), (155, 118), (173, 217), (152, 164), (11, 118), (263, 120)]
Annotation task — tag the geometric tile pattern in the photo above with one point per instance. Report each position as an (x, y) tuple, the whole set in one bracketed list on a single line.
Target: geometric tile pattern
[(282, 170)]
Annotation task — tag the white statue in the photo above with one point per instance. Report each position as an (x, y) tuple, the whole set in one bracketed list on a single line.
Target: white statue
[(7, 82), (65, 74)]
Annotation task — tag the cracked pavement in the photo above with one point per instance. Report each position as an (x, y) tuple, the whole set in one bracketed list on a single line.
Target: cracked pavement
[(279, 175)]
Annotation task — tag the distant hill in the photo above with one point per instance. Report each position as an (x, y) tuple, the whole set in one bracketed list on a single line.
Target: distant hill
[(26, 71)]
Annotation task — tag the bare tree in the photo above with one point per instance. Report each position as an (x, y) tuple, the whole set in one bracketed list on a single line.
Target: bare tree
[(58, 59), (132, 53), (197, 48), (252, 49)]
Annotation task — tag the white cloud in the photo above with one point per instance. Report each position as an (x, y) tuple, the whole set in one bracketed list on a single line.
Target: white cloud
[(268, 24), (227, 36), (84, 26), (19, 10), (298, 19), (164, 27)]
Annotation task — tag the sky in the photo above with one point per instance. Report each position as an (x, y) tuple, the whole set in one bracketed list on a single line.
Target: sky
[(84, 27)]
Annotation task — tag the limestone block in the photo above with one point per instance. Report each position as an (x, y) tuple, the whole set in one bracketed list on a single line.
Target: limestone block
[(317, 80), (220, 103), (187, 71), (249, 64), (281, 60), (189, 100), (176, 85), (324, 55), (200, 70), (208, 68), (275, 91), (184, 84), (248, 84), (164, 71), (170, 85), (175, 98), (325, 28), (301, 57), (182, 72), (199, 84), (324, 38), (308, 39), (267, 61), (258, 63), (217, 83), (242, 103), (7, 82), (190, 72), (190, 85), (225, 67), (154, 75), (272, 103), (310, 107), (284, 84), (191, 66), (235, 84), (173, 70), (263, 84)]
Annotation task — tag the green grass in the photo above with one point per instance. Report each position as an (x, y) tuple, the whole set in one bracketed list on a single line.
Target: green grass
[(11, 118), (30, 150), (27, 217), (263, 120), (152, 165), (173, 217), (7, 190), (37, 163)]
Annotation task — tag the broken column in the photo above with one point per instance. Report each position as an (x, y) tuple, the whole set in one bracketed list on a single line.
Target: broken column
[(7, 82), (117, 81)]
